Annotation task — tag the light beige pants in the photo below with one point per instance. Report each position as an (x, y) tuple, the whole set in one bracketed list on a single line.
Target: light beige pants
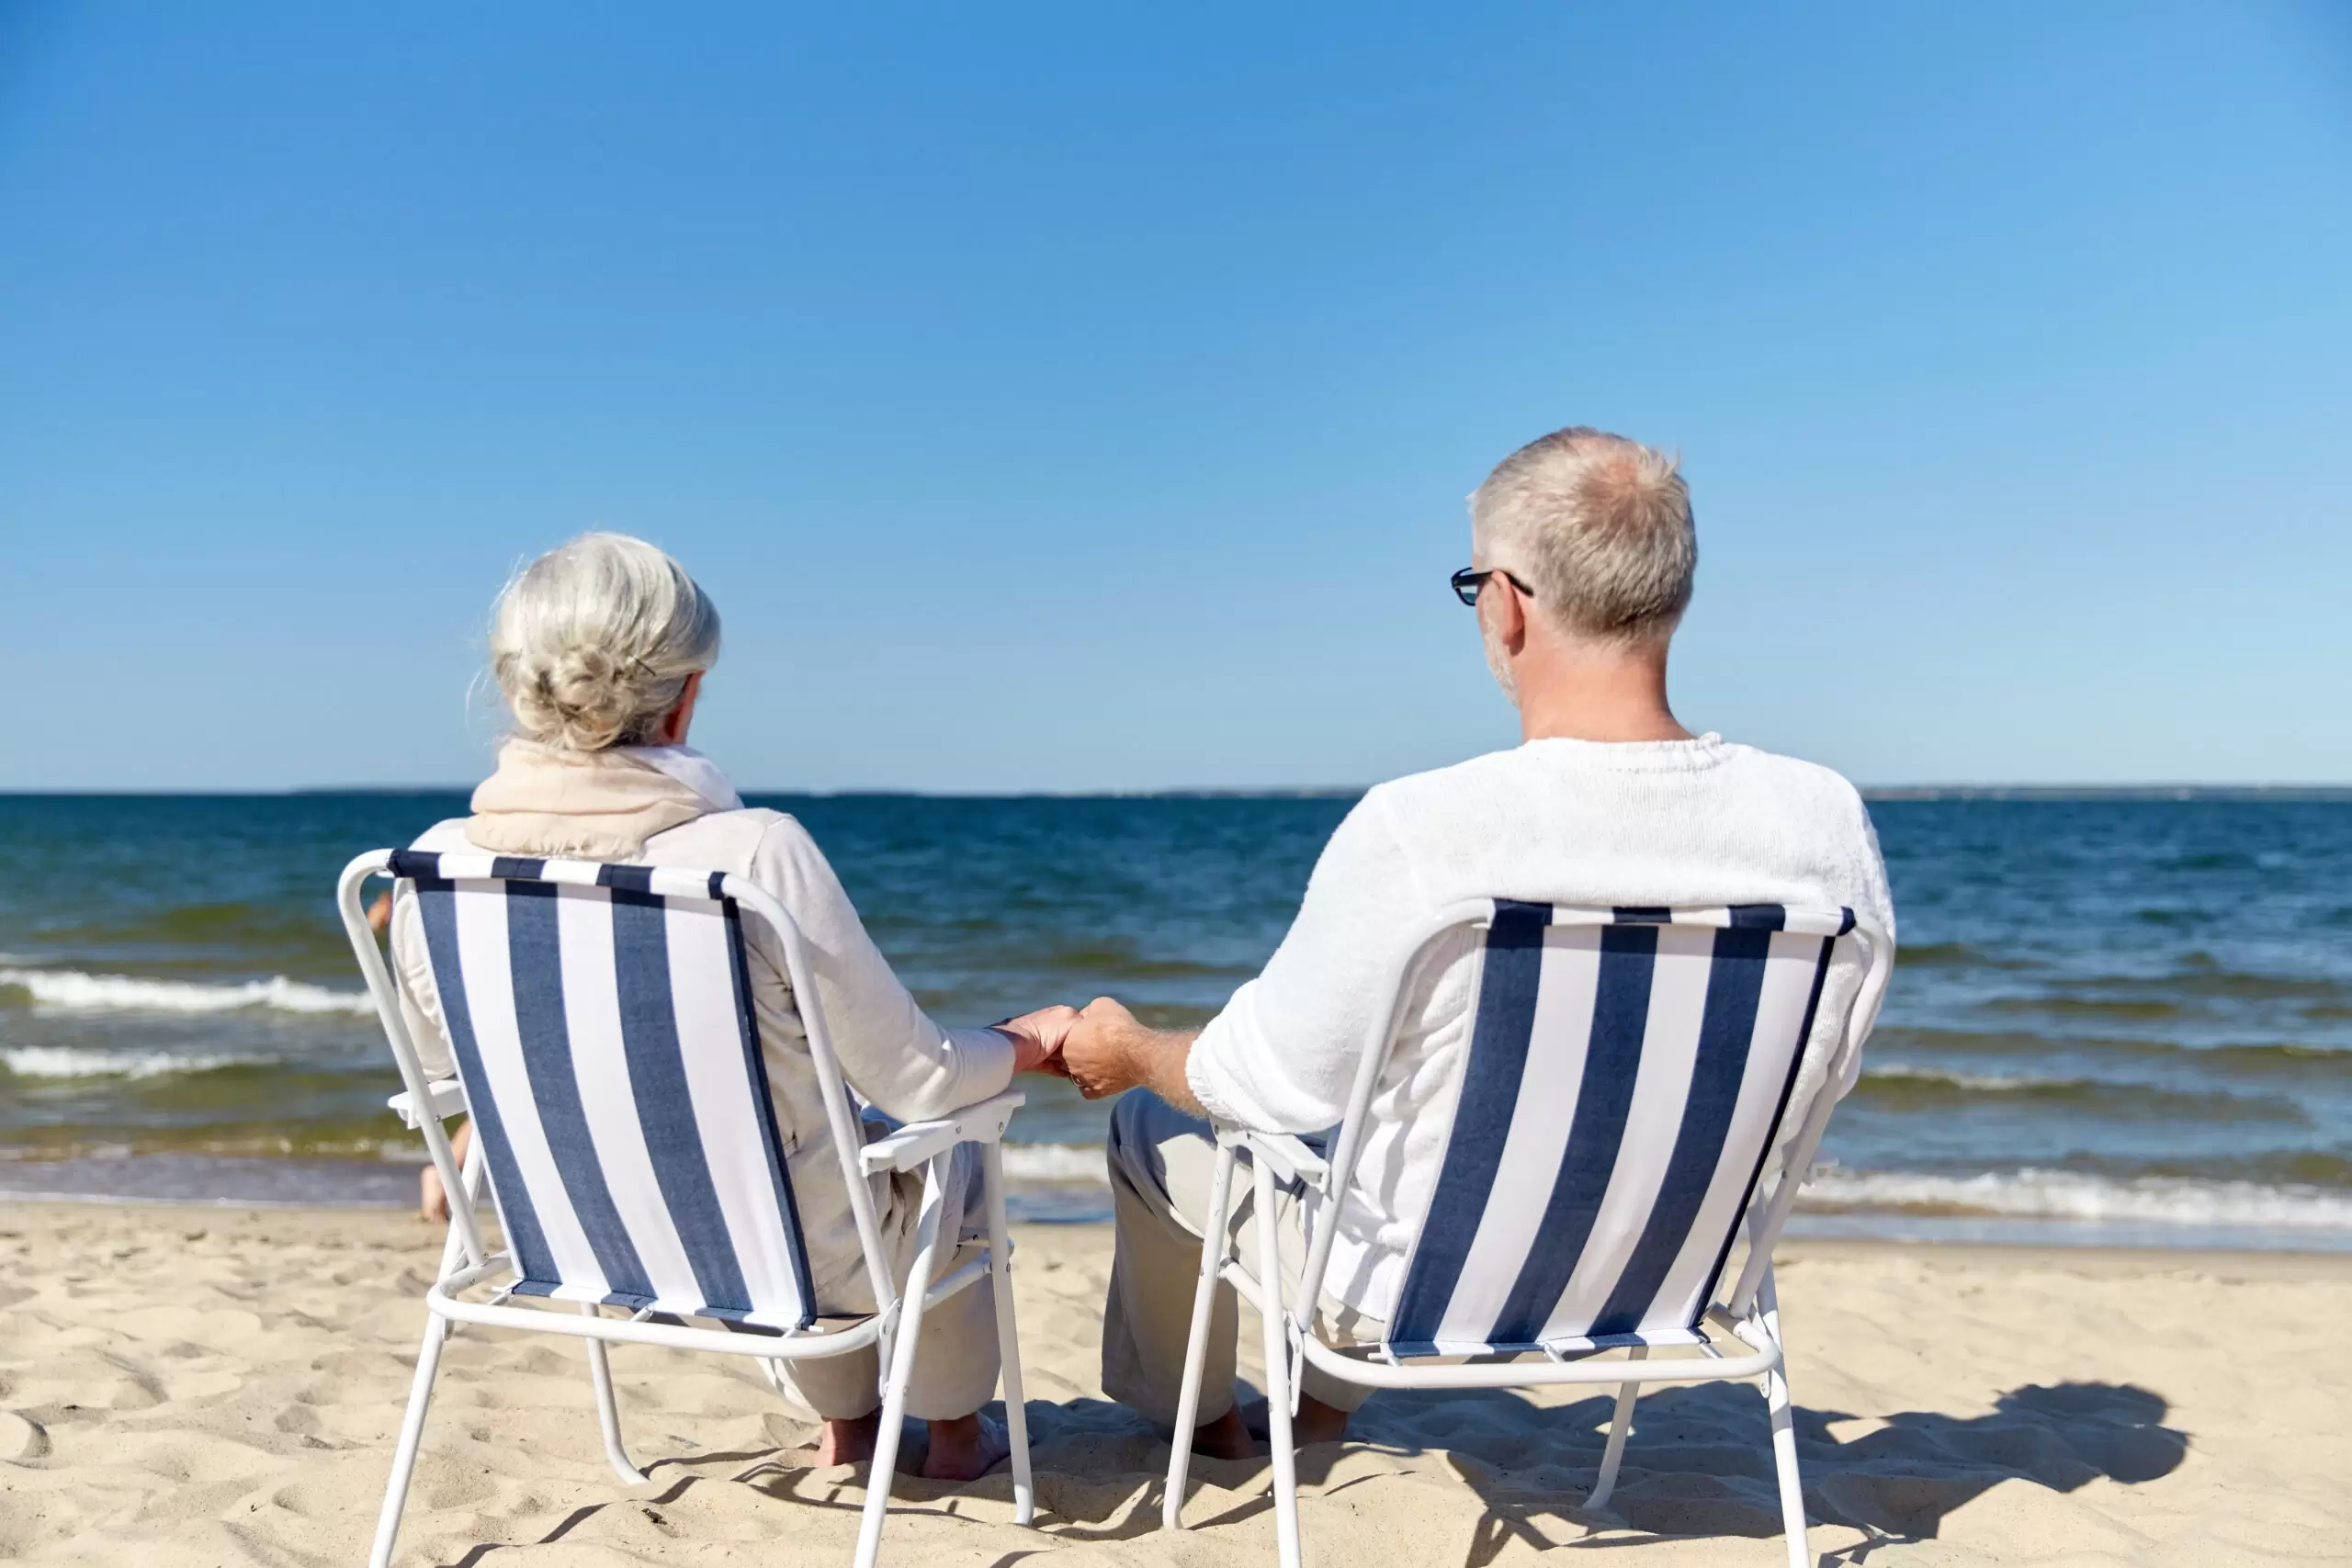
[(1161, 1164), (955, 1359)]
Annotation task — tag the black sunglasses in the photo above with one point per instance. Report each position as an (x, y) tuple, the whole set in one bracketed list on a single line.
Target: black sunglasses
[(1469, 580)]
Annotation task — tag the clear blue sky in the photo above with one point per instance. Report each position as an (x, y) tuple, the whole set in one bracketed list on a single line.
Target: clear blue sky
[(1084, 397)]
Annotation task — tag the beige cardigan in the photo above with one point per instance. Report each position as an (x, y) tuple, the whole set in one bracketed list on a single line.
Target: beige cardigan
[(609, 806)]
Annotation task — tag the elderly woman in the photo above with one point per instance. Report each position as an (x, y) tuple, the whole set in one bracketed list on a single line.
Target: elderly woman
[(600, 648)]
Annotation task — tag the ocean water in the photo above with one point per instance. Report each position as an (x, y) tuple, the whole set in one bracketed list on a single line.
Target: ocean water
[(2113, 1019)]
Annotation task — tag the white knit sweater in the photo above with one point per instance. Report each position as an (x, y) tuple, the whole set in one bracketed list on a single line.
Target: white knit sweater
[(894, 1055), (1686, 822)]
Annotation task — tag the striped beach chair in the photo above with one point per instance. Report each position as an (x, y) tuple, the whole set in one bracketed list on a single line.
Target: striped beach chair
[(1629, 1073), (607, 1048)]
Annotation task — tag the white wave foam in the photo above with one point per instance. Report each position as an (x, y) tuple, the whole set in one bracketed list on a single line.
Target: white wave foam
[(1986, 1082), (71, 991), (74, 1062), (1055, 1162), (2073, 1195), (2022, 1194)]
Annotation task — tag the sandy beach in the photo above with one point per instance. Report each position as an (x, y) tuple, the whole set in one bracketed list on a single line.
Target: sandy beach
[(189, 1385)]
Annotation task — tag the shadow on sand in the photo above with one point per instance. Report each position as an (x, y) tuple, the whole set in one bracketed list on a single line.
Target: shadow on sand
[(1699, 1464), (1700, 1461)]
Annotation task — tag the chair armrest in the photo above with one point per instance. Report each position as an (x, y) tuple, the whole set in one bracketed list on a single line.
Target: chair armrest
[(915, 1142), (447, 1098), (1288, 1156)]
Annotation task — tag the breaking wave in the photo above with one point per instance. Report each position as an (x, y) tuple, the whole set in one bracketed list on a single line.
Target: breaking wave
[(2073, 1195), (1055, 1162), (77, 1062), (1982, 1083), (71, 991), (1898, 1087)]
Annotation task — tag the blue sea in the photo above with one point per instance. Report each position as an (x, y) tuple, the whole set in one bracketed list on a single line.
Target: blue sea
[(2119, 1019)]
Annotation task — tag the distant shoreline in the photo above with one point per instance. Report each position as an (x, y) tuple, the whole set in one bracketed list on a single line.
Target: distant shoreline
[(2329, 793)]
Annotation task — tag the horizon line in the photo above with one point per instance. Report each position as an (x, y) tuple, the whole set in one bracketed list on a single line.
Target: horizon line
[(1894, 792)]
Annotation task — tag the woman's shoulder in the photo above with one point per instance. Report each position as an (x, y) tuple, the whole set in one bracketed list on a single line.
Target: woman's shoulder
[(446, 837), (770, 848), (730, 840), (757, 824), (766, 830)]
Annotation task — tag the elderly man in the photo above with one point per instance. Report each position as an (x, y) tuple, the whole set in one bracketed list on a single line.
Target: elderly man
[(1582, 557)]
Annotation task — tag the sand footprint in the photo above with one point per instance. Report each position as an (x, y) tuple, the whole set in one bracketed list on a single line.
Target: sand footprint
[(22, 1439)]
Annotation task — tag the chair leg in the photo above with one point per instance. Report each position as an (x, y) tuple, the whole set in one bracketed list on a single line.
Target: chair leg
[(1784, 1432), (453, 1247), (901, 1371), (1620, 1427), (469, 1194), (420, 1395), (1008, 1340), (608, 1410), (1196, 1349), (1278, 1391)]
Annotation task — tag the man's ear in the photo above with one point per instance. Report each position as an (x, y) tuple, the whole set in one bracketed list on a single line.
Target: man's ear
[(1510, 615)]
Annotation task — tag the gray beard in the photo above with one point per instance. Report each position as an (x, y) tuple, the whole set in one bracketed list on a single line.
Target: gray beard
[(1498, 666)]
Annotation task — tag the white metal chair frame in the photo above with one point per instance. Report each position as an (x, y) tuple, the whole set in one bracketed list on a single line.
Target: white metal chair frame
[(895, 1329), (1749, 1312)]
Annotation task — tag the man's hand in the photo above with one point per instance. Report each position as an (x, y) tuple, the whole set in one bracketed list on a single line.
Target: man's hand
[(1107, 1052), (1096, 1050), (1037, 1039)]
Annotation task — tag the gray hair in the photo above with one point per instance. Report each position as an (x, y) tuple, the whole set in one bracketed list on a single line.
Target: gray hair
[(1599, 526), (594, 642)]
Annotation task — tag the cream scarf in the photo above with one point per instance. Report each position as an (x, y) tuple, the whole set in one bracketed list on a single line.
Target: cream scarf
[(545, 800)]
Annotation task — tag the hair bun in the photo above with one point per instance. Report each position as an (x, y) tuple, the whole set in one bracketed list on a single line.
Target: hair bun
[(594, 642), (586, 697)]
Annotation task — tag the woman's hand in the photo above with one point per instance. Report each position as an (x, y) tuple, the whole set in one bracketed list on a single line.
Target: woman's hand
[(1037, 1039)]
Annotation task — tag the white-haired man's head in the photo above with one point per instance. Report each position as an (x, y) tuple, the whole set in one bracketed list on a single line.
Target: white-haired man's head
[(1597, 529)]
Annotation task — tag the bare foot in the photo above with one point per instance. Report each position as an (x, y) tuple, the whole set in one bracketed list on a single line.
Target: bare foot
[(1227, 1438), (1318, 1422), (849, 1442), (965, 1448), (1315, 1423)]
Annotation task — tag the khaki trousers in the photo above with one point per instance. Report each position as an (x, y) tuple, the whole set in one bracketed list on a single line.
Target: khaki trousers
[(1161, 1162), (955, 1359)]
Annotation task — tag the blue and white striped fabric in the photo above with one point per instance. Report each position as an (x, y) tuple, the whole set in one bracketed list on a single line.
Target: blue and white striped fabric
[(601, 1017), (1628, 1071)]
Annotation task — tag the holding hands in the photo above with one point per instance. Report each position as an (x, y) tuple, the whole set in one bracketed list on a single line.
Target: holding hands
[(1104, 1049), (1099, 1055), (1037, 1038)]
